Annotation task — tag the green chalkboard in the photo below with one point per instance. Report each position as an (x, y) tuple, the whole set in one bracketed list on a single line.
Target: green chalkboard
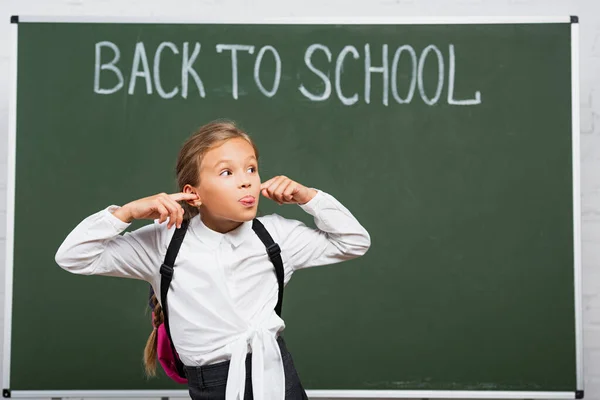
[(452, 144)]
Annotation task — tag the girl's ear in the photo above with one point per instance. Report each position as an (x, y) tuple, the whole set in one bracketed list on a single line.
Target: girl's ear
[(191, 189)]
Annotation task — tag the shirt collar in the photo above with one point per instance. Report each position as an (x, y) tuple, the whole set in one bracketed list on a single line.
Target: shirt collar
[(214, 238)]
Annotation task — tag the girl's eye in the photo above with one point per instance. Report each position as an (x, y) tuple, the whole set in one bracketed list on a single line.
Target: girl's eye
[(252, 170), (225, 173)]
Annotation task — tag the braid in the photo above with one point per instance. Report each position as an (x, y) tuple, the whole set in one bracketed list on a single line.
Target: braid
[(150, 351)]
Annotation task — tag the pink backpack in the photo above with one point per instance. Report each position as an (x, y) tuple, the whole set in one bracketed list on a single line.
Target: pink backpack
[(167, 356)]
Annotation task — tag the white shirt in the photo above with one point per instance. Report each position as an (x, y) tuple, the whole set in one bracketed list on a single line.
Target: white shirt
[(224, 289)]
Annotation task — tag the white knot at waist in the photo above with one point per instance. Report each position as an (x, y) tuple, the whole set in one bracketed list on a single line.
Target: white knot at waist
[(268, 379)]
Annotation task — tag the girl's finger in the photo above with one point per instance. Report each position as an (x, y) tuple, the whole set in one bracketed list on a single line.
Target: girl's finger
[(268, 195), (265, 192), (274, 182), (273, 185), (172, 208), (273, 188), (162, 211), (290, 190), (183, 196), (173, 203), (282, 188), (181, 212), (178, 219), (267, 183)]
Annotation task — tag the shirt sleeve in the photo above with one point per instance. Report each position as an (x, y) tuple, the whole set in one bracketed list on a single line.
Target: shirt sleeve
[(338, 237), (96, 247)]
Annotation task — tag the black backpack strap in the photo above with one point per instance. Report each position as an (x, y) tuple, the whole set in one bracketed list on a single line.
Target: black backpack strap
[(166, 275), (274, 255)]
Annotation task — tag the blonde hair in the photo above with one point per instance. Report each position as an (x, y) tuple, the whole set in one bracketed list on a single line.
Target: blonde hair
[(150, 351), (188, 172)]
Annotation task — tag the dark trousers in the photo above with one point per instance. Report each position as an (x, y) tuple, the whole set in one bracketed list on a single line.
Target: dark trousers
[(208, 382)]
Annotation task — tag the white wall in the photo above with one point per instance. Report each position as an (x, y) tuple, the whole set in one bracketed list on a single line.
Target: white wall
[(587, 10)]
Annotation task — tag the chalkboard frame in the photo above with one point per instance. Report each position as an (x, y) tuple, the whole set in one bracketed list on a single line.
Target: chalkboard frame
[(10, 203)]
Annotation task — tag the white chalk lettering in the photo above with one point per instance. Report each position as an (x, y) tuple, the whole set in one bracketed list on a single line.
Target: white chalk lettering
[(234, 67), (440, 83), (413, 75), (107, 66), (187, 69), (157, 83), (339, 65), (307, 60), (408, 72), (140, 55), (369, 69), (452, 77), (276, 79)]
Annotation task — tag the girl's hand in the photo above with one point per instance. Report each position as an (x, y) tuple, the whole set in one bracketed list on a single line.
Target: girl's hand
[(160, 206), (283, 190)]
